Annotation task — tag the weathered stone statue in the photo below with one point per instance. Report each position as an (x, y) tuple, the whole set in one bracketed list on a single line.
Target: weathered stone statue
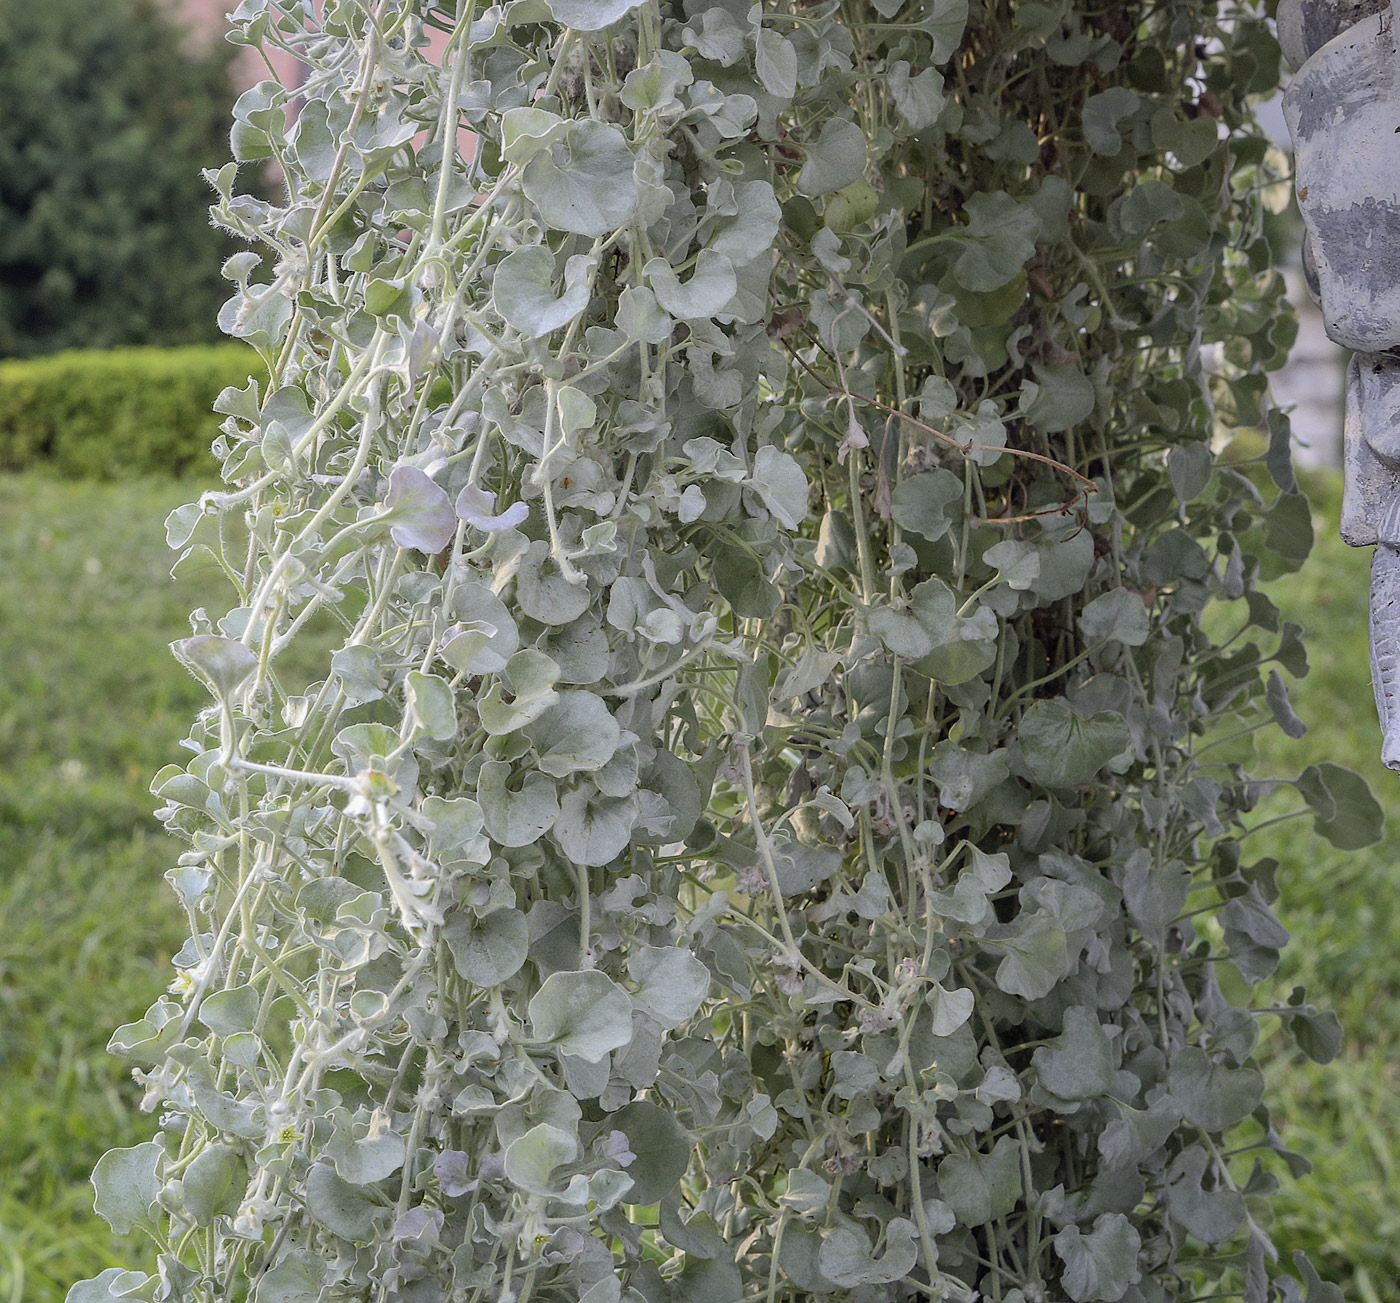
[(1343, 110)]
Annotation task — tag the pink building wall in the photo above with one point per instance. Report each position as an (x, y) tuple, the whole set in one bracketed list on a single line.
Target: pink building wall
[(207, 21)]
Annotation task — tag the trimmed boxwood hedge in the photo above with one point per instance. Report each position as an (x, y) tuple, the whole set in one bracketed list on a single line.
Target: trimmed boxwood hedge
[(118, 413)]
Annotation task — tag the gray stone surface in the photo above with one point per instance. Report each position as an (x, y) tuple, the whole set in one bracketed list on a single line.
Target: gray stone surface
[(1305, 26), (1343, 111)]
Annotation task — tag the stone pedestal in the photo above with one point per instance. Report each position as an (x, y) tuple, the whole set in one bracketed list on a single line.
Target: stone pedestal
[(1343, 110)]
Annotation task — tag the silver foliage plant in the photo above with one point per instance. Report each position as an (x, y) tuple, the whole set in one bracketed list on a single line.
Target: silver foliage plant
[(717, 785)]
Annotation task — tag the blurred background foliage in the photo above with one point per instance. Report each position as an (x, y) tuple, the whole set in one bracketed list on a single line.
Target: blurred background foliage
[(108, 113)]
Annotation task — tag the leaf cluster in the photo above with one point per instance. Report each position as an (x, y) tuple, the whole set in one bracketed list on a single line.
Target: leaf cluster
[(775, 826)]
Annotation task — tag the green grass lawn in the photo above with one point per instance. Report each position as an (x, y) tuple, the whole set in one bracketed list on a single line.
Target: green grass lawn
[(1340, 907), (91, 705)]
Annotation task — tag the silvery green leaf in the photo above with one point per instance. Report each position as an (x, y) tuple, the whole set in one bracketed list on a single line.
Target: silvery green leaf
[(754, 227), (584, 183), (950, 1009), (463, 644), (452, 1168), (944, 21), (710, 287), (640, 317), (126, 1182), (919, 98), (544, 593), (1190, 466), (1080, 1062), (964, 776), (487, 951), (653, 86), (779, 482), (580, 649), (419, 511), (1211, 1095), (1099, 1266), (102, 1287), (532, 1159), (577, 411), (672, 983), (295, 1279), (1035, 955), (1118, 614), (1212, 1216), (1253, 935), (231, 1010), (1065, 565), (523, 290), (357, 667), (719, 36), (584, 1014), (846, 1256), (1063, 398), (660, 1148), (919, 502), (527, 130), (834, 160), (480, 610), (1000, 240), (222, 663), (576, 734), (1102, 115), (456, 821), (1344, 810), (213, 1183), (346, 1210), (428, 700), (370, 1158), (776, 63), (590, 15), (929, 621), (1062, 749), (980, 1187), (530, 677), (515, 816), (593, 829), (807, 1191)]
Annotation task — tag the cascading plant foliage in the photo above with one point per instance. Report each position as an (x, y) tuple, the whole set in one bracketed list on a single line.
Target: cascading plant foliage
[(771, 820)]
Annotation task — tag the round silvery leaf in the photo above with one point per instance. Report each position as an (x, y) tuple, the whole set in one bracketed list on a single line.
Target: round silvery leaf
[(711, 285), (590, 187), (544, 593), (779, 482), (533, 1157), (585, 1014), (592, 829), (527, 130), (479, 609), (487, 951), (221, 662), (847, 1259), (419, 511), (346, 1210), (661, 1151), (524, 294), (515, 817), (834, 160), (478, 508), (126, 1182), (576, 734), (590, 15)]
